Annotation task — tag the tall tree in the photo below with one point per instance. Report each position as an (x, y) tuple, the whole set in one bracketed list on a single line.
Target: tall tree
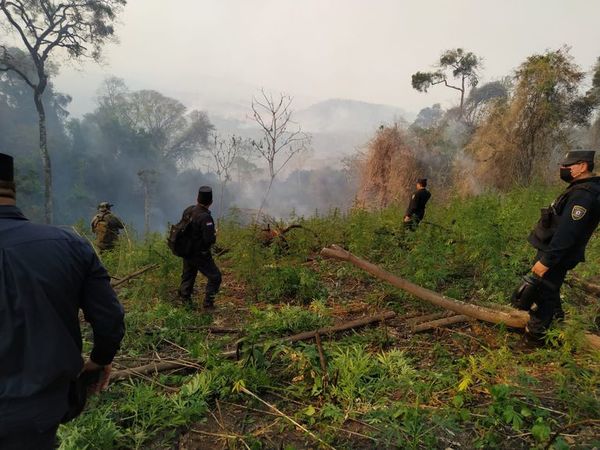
[(174, 135), (463, 66), (582, 108), (78, 28), (522, 133), (482, 98)]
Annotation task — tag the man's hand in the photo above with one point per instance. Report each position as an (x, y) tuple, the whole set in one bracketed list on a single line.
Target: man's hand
[(407, 219), (539, 269), (102, 384)]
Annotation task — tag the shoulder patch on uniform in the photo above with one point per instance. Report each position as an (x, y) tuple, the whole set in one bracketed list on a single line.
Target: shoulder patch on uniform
[(578, 212)]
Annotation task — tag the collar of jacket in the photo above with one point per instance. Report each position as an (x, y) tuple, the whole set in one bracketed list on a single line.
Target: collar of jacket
[(595, 179), (11, 212), (203, 208)]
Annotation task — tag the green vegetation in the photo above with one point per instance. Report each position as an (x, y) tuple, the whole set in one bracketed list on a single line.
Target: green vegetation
[(472, 385)]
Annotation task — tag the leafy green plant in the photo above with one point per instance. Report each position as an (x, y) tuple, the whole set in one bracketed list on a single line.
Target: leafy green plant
[(287, 283)]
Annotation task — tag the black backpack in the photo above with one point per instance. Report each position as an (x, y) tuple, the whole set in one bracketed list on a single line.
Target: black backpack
[(179, 239)]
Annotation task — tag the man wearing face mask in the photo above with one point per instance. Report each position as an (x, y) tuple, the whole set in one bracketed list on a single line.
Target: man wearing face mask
[(560, 237)]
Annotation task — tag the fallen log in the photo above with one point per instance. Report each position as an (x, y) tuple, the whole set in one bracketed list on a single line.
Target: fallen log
[(414, 321), (424, 326), (223, 330), (514, 318), (138, 272), (510, 317), (588, 287), (358, 323)]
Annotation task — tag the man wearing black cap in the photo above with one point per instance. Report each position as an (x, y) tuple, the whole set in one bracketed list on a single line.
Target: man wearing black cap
[(416, 208), (106, 226), (203, 236), (560, 238), (47, 274)]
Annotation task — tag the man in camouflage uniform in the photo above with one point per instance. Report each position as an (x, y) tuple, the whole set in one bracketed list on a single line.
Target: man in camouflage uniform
[(106, 226)]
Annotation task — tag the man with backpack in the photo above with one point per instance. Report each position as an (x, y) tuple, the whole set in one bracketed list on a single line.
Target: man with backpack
[(560, 237), (106, 227), (192, 239)]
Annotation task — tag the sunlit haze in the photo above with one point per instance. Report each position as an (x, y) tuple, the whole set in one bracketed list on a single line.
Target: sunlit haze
[(214, 54)]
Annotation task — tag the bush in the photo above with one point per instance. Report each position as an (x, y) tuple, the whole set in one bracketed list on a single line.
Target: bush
[(286, 283)]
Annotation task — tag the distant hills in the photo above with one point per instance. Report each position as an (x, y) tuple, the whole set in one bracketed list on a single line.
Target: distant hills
[(338, 126), (341, 115)]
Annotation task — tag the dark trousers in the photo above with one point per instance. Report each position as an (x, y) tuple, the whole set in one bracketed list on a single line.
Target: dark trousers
[(206, 266), (413, 223), (31, 440), (548, 304)]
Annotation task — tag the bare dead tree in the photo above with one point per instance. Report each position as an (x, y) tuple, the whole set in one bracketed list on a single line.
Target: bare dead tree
[(224, 153), (282, 137), (78, 28)]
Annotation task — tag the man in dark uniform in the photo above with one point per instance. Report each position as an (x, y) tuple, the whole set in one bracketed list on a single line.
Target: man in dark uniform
[(560, 237), (106, 227), (416, 208), (46, 275), (203, 236)]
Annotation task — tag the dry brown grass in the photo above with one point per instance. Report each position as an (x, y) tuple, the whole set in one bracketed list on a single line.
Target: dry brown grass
[(390, 170)]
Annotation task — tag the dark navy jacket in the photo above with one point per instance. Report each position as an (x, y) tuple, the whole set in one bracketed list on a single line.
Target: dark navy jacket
[(203, 228), (47, 274), (418, 200), (575, 217)]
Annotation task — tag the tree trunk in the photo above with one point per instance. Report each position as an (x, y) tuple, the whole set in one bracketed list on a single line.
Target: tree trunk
[(221, 196), (146, 208), (462, 96), (514, 318), (510, 317), (46, 164)]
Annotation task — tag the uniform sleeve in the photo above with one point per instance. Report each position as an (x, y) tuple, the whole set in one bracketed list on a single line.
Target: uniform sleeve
[(209, 236), (102, 310), (573, 223), (412, 205)]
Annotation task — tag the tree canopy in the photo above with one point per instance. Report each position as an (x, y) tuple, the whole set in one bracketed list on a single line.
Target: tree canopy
[(463, 67)]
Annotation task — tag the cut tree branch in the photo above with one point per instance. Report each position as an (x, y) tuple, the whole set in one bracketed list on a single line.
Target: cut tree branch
[(510, 317), (133, 275)]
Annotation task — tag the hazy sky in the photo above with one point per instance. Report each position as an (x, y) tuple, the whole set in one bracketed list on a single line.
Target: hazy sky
[(220, 51)]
